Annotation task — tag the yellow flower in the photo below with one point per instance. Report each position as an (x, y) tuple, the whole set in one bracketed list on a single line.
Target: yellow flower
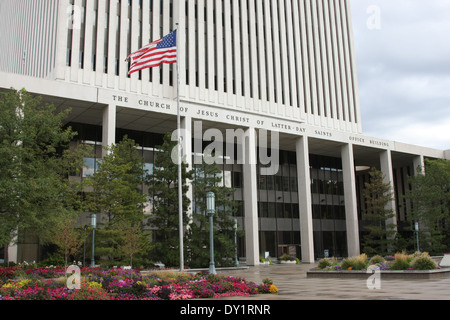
[(94, 284), (7, 286), (273, 289), (349, 268), (23, 283)]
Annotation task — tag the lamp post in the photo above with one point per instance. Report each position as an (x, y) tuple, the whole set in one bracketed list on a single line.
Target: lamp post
[(416, 227), (210, 210), (84, 245), (94, 225), (236, 261)]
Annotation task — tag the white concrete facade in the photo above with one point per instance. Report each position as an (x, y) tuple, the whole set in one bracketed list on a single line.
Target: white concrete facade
[(285, 66)]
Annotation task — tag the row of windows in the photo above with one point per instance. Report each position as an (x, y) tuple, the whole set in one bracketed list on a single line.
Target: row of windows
[(294, 53), (278, 210), (326, 171), (278, 183)]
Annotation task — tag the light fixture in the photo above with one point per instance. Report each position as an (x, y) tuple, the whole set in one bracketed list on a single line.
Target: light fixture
[(94, 225), (210, 210)]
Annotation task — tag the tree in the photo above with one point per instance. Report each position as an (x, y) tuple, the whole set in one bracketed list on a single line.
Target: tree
[(163, 194), (67, 237), (33, 188), (377, 195), (430, 198), (116, 196), (208, 178), (134, 240)]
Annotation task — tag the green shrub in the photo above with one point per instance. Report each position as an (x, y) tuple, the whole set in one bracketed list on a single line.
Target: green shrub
[(55, 259), (355, 263), (286, 257), (326, 262), (377, 259), (423, 262), (20, 274), (402, 261)]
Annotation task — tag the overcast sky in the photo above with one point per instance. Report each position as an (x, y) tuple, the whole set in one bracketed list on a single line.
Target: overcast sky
[(403, 60)]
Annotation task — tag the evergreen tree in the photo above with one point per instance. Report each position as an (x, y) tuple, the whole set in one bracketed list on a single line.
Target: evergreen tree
[(116, 197), (163, 193), (377, 195), (208, 178), (430, 198)]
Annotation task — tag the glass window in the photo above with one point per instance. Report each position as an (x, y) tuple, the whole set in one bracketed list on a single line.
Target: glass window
[(271, 210), (278, 183), (295, 211), (262, 182), (149, 168), (270, 183), (237, 179), (316, 211), (287, 210), (227, 179), (285, 183), (263, 213), (239, 212), (89, 167), (280, 210), (294, 184)]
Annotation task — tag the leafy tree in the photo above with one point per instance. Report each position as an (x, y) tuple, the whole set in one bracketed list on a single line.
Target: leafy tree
[(134, 241), (116, 196), (377, 195), (163, 193), (208, 178), (430, 198), (67, 237), (34, 188)]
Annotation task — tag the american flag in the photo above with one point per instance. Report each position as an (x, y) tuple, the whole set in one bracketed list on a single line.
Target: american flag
[(154, 54)]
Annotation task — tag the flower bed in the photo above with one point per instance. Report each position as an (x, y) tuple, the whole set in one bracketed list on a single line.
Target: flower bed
[(119, 284), (401, 266)]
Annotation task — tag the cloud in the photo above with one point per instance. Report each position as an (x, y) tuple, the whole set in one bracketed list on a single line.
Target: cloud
[(404, 70)]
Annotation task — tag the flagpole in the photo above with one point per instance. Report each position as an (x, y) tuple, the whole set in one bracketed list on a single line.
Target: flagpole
[(142, 60), (180, 184)]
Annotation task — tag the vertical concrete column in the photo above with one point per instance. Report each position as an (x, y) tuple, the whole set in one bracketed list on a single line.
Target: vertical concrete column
[(446, 154), (250, 198), (13, 252), (61, 38), (109, 126), (305, 200), (386, 169), (351, 209), (419, 165)]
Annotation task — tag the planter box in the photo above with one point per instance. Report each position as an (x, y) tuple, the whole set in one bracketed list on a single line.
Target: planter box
[(385, 274), (445, 262), (288, 262)]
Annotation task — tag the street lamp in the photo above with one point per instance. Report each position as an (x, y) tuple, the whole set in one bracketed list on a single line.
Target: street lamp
[(236, 263), (416, 227), (210, 210), (84, 245), (94, 225)]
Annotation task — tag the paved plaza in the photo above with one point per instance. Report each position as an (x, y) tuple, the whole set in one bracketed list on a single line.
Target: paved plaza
[(293, 284)]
